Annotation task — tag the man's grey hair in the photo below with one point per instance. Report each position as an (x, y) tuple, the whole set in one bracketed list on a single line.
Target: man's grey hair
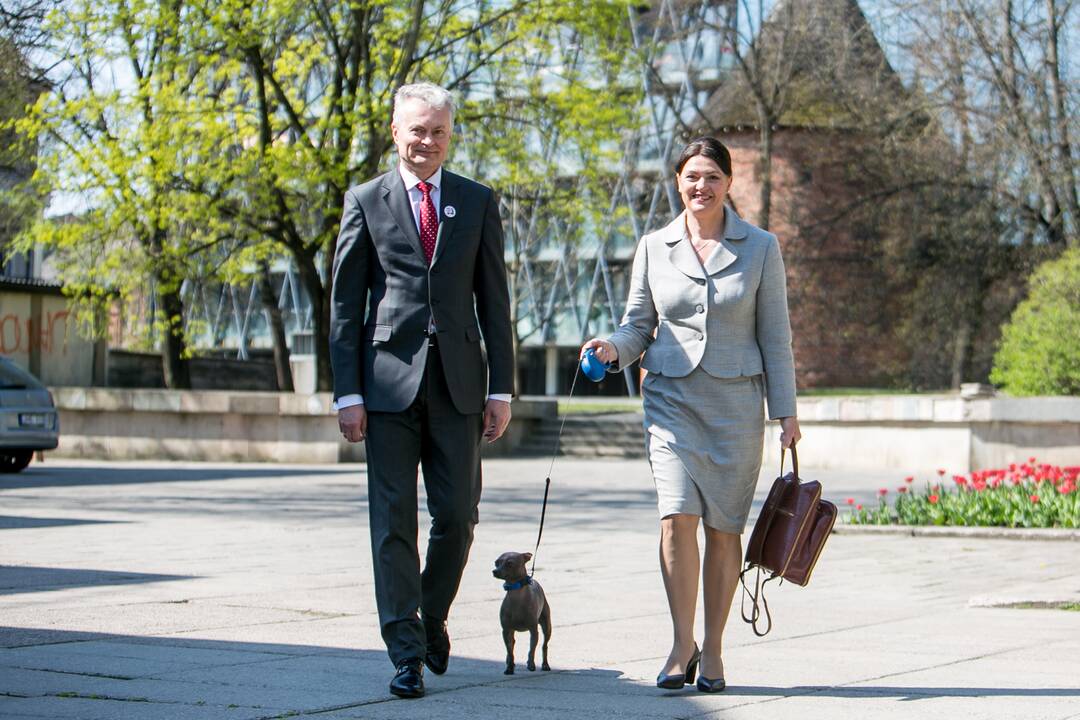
[(430, 93)]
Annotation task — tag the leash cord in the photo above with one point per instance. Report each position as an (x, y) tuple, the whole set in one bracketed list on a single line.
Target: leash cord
[(547, 480)]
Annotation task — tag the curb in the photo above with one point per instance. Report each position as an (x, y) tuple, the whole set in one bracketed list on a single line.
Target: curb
[(992, 533)]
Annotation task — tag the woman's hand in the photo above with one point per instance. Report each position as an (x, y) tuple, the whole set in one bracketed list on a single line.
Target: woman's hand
[(605, 351), (789, 432)]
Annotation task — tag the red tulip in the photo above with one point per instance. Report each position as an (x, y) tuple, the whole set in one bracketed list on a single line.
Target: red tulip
[(940, 472), (858, 507), (883, 492), (851, 501), (902, 489), (1035, 499), (910, 479), (933, 499)]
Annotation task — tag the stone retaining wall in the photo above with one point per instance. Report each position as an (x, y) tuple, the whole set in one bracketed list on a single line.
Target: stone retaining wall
[(905, 433), (920, 433), (210, 425)]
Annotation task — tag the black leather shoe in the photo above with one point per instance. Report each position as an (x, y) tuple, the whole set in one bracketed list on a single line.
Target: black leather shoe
[(677, 680), (409, 680), (438, 645), (707, 685)]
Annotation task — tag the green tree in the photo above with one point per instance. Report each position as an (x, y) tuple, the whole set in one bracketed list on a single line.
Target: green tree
[(314, 85), (1040, 346), (245, 121), (126, 130)]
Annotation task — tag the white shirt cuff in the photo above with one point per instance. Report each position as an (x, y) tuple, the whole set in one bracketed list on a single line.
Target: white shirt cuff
[(504, 397), (348, 401)]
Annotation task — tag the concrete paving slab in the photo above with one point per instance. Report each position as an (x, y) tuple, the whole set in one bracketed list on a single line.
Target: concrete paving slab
[(245, 591)]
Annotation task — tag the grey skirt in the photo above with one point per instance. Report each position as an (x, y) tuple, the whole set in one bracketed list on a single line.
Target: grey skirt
[(704, 436)]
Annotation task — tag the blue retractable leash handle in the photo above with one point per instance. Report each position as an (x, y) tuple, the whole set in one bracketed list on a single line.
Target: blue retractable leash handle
[(592, 367), (595, 370)]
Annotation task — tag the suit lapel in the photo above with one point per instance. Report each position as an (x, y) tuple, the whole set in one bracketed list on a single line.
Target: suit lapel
[(722, 255), (448, 198), (685, 260), (727, 252), (680, 250), (397, 201)]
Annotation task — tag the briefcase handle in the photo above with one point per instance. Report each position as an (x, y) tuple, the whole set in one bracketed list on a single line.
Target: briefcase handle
[(794, 461)]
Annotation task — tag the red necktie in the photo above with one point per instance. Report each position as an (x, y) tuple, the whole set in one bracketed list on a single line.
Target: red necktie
[(429, 220)]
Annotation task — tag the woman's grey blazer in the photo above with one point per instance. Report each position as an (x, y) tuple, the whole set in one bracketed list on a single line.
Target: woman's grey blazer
[(742, 330)]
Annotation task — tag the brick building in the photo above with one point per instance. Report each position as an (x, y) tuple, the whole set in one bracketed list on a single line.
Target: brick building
[(832, 75)]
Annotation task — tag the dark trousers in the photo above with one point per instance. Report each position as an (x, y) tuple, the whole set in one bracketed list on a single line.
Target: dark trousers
[(430, 433)]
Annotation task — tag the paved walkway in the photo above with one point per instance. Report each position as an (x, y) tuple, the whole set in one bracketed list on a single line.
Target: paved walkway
[(237, 591)]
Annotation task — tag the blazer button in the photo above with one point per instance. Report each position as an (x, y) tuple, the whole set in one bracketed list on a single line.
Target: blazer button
[(700, 308), (700, 336)]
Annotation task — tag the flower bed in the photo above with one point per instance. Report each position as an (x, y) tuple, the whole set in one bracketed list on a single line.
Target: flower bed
[(1027, 495)]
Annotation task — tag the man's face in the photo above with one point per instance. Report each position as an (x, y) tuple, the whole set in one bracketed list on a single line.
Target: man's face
[(422, 136)]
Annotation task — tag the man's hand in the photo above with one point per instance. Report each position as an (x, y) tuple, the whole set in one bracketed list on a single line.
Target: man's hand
[(353, 422), (496, 418)]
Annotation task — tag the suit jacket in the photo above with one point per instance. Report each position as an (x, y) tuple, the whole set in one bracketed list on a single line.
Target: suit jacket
[(742, 330), (384, 294)]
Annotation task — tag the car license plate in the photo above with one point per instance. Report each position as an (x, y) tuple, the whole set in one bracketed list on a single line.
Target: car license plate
[(39, 420)]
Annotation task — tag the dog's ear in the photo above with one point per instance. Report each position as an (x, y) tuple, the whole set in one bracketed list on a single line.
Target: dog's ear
[(526, 557)]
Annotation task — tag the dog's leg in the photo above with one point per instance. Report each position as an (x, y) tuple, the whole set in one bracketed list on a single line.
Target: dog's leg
[(508, 639), (533, 635), (545, 625)]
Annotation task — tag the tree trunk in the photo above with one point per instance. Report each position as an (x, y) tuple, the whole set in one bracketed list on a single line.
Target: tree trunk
[(320, 313), (1063, 143), (277, 328), (175, 367), (961, 353), (765, 171)]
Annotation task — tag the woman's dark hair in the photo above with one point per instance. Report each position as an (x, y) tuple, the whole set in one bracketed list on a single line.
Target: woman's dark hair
[(711, 148)]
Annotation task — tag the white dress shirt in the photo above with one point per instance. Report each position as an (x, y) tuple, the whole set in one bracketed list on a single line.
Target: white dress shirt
[(415, 198)]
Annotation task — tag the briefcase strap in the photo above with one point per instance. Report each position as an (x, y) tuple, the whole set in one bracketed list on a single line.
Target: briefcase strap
[(794, 461), (757, 599)]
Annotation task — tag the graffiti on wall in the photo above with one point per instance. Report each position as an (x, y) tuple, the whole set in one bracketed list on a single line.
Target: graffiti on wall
[(20, 334)]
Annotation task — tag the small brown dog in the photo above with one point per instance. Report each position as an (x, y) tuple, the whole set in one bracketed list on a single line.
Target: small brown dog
[(523, 608)]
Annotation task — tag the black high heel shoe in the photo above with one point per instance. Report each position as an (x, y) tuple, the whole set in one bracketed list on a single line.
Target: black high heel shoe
[(708, 685), (677, 680)]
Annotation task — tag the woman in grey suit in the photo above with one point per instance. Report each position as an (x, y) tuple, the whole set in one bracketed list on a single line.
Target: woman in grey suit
[(708, 307)]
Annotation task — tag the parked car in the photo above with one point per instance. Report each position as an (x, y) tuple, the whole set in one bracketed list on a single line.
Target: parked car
[(28, 419)]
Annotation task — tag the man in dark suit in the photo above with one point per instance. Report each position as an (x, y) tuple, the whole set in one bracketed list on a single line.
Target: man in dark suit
[(419, 278)]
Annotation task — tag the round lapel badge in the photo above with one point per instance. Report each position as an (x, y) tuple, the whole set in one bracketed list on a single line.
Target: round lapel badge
[(449, 211)]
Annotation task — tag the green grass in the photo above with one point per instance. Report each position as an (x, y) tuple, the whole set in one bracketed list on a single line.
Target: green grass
[(579, 406), (615, 405), (1067, 606)]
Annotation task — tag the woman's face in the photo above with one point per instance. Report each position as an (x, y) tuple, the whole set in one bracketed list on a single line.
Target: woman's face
[(702, 185)]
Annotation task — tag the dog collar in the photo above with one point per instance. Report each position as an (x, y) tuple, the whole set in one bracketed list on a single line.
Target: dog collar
[(517, 585)]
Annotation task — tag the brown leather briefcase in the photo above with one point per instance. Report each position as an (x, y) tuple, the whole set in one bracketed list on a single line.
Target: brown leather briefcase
[(787, 539)]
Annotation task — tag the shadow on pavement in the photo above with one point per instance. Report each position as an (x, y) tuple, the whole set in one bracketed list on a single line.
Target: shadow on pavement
[(72, 674), (76, 674), (58, 475), (15, 579), (16, 522)]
